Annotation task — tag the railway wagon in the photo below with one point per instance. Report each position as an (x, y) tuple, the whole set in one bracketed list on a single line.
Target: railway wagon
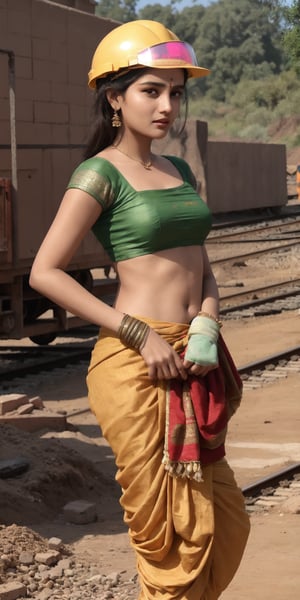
[(232, 176), (45, 52)]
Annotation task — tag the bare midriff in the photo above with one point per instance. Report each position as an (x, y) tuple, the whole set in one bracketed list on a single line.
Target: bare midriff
[(165, 286)]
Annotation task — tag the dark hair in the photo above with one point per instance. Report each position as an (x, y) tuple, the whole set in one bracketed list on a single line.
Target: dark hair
[(102, 134)]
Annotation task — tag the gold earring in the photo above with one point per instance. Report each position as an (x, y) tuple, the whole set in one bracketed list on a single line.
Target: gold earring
[(115, 120)]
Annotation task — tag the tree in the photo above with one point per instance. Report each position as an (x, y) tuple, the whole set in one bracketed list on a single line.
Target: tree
[(235, 36), (187, 22), (157, 12), (236, 40), (118, 10), (291, 38)]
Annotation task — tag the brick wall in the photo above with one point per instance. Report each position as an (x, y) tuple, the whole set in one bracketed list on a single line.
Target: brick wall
[(53, 45), (85, 5)]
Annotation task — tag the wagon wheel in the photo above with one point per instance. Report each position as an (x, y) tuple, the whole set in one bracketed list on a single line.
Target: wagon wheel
[(43, 339)]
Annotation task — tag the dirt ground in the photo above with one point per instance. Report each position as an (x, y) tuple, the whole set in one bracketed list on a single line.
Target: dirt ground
[(77, 463)]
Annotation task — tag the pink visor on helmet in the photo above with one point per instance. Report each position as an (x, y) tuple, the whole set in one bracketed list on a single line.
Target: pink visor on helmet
[(169, 55), (179, 51)]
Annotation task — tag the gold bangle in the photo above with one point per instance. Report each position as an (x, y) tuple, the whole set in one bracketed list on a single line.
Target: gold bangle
[(209, 316), (133, 332)]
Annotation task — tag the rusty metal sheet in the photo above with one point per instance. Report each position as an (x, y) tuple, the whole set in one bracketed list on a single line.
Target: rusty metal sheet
[(243, 176)]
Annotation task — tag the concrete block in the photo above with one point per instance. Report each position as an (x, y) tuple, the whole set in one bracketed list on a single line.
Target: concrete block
[(36, 421), (40, 48), (19, 21), (26, 558), (55, 543), (21, 44), (4, 108), (40, 132), (25, 409), (50, 112), (9, 402), (12, 590), (47, 558), (24, 67), (37, 402), (24, 110), (80, 512)]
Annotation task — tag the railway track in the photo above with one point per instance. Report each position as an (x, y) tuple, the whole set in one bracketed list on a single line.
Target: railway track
[(18, 362), (261, 239), (223, 222), (263, 232), (272, 491), (277, 290), (266, 300), (270, 368), (235, 258)]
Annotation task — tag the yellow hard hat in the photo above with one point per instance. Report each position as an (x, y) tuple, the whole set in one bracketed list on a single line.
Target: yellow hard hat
[(142, 43)]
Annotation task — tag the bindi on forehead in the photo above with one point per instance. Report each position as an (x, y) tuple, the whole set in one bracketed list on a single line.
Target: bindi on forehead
[(164, 77)]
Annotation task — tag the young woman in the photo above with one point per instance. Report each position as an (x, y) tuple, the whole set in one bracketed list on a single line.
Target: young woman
[(155, 384)]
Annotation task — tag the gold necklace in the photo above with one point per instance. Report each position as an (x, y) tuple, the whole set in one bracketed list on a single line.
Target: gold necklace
[(146, 165)]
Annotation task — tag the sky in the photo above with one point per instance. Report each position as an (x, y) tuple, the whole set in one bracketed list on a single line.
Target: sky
[(181, 4)]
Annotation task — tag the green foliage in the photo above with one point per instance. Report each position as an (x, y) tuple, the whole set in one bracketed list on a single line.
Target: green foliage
[(291, 37), (267, 93), (118, 10), (234, 39), (259, 110), (186, 23), (254, 132), (294, 141), (253, 50), (157, 12), (289, 105)]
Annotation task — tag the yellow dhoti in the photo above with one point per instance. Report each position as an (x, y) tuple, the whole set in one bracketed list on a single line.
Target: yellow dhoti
[(188, 536)]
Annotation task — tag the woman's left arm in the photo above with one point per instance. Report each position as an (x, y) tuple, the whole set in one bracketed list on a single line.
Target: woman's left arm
[(210, 293), (199, 359)]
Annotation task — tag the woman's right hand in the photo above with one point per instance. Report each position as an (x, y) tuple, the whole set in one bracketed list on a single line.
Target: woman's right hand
[(162, 360)]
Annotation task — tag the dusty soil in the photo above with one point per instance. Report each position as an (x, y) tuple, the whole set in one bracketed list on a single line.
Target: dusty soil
[(77, 463)]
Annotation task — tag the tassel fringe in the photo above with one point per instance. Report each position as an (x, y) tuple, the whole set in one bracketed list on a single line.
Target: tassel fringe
[(190, 470)]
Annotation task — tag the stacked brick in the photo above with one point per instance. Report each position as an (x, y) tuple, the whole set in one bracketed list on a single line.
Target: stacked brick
[(29, 414)]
